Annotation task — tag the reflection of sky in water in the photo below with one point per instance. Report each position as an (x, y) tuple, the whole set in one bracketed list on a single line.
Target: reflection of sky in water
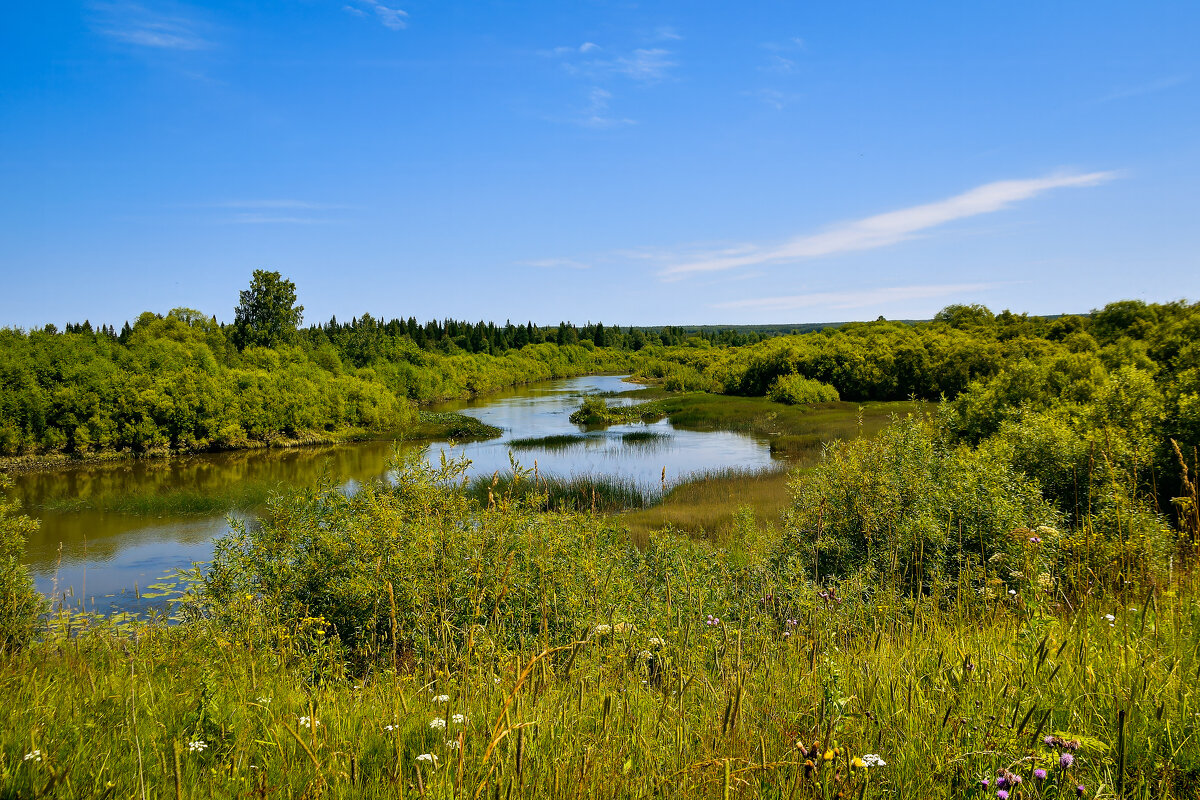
[(93, 554)]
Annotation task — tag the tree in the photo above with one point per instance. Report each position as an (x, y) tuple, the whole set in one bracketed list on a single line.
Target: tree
[(267, 313)]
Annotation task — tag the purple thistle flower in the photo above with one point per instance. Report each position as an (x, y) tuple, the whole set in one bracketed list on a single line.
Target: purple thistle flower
[(1048, 741), (984, 783), (1001, 780), (1003, 795), (1040, 774), (1014, 778), (1079, 790), (1066, 760)]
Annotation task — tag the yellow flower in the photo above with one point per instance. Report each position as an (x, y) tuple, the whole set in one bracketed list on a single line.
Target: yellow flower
[(857, 763), (829, 755)]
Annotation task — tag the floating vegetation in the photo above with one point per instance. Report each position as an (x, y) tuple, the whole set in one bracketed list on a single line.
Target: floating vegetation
[(558, 441), (644, 437)]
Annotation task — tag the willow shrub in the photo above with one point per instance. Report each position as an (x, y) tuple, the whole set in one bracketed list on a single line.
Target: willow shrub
[(20, 604), (910, 511), (417, 570), (795, 390)]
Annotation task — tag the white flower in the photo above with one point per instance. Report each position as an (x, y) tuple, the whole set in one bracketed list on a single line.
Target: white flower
[(872, 760), (1012, 591), (305, 722), (442, 698), (438, 724), (458, 719), (428, 758), (452, 744), (1110, 617), (263, 700), (35, 756), (657, 642), (645, 655), (390, 727), (198, 746), (602, 630)]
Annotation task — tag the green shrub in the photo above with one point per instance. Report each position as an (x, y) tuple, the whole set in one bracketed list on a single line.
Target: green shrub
[(795, 390), (20, 604), (911, 511)]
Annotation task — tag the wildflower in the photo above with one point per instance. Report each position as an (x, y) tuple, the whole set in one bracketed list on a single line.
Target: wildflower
[(1079, 790), (442, 698), (1035, 540), (984, 783), (1110, 617), (857, 763), (198, 746), (1012, 591), (263, 700), (872, 760), (452, 744), (828, 755), (1045, 581), (1039, 774), (1066, 760), (305, 722), (656, 642), (1002, 779), (458, 719), (438, 724), (35, 756), (1003, 795), (1014, 779), (712, 620), (645, 655), (602, 630), (428, 758), (1048, 741)]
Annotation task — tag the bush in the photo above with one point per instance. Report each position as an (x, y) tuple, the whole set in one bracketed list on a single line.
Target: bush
[(20, 604), (416, 570), (795, 390), (909, 511)]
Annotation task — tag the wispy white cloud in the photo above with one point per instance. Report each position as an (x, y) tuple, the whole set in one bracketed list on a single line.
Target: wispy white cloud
[(886, 229), (389, 17), (645, 65), (1153, 87), (779, 65), (860, 298), (666, 33), (596, 114), (557, 263), (132, 24)]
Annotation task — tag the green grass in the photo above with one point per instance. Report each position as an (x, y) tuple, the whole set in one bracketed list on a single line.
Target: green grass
[(644, 437), (582, 493), (560, 441), (450, 425)]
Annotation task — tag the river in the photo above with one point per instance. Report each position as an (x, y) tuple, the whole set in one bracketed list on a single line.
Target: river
[(104, 560)]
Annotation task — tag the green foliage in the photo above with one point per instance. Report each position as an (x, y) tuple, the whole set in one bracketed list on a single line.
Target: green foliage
[(401, 572), (794, 390), (912, 512), (20, 603), (267, 313)]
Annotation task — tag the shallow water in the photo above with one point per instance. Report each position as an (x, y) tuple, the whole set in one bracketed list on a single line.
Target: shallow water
[(104, 559)]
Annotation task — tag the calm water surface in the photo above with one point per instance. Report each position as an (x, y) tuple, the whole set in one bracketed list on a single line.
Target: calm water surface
[(98, 558)]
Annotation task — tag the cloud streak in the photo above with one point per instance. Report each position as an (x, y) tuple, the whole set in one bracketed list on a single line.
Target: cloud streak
[(391, 18), (131, 24), (857, 299), (886, 229)]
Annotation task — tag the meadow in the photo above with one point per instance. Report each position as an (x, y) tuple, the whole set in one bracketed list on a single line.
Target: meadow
[(993, 596)]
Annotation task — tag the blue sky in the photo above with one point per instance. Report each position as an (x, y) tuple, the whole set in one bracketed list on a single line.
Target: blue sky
[(675, 162)]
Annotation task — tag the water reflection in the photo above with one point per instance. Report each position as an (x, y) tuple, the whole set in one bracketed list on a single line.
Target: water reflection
[(96, 552)]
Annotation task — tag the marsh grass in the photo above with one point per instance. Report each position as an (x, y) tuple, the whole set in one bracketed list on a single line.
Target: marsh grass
[(435, 425), (710, 505), (603, 494), (641, 438), (558, 441)]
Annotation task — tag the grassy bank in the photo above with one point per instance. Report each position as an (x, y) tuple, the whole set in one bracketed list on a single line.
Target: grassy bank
[(407, 643)]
